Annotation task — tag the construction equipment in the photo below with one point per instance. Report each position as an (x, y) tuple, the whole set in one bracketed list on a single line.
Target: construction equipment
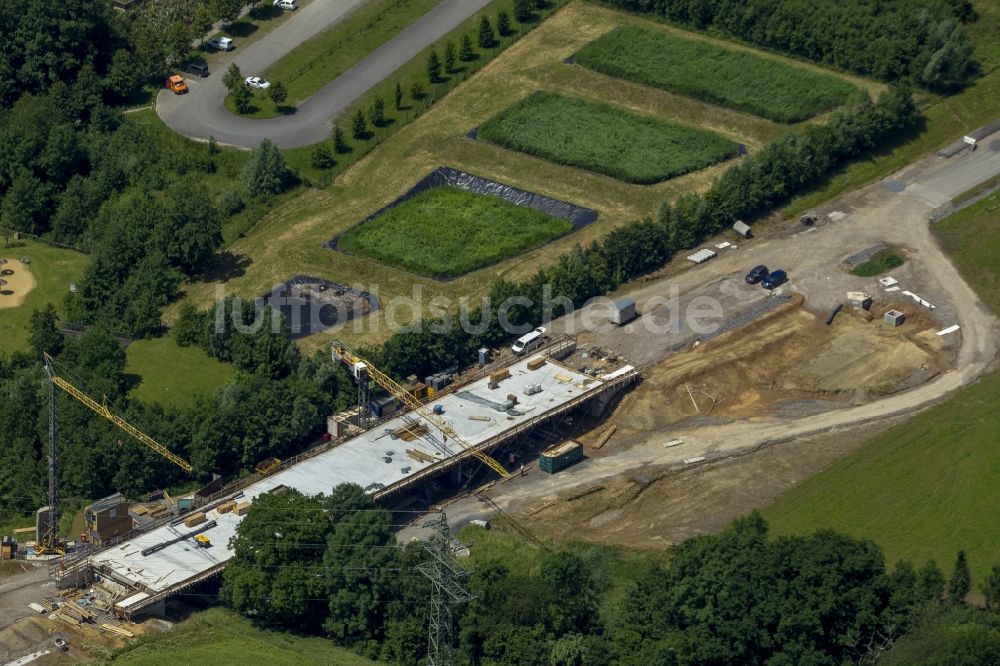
[(48, 542), (363, 370), (202, 541), (102, 410)]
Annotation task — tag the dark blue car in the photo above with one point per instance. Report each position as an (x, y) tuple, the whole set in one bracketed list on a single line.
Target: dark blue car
[(774, 279)]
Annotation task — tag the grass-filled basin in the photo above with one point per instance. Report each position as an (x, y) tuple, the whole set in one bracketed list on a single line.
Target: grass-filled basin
[(444, 232), (604, 139), (732, 78)]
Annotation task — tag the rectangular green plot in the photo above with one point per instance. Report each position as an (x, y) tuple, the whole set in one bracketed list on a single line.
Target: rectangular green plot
[(445, 232), (604, 139), (731, 78)]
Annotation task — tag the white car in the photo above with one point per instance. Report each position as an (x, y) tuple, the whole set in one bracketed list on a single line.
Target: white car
[(258, 83), (529, 341), (285, 4), (222, 44)]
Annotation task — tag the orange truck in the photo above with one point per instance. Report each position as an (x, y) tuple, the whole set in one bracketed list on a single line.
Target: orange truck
[(176, 84)]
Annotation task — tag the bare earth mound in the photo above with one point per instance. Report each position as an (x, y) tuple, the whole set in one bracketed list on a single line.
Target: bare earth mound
[(20, 283)]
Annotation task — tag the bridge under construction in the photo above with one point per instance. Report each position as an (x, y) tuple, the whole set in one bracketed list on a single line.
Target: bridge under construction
[(484, 413)]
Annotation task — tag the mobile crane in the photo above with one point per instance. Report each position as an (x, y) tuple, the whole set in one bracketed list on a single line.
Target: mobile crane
[(49, 541)]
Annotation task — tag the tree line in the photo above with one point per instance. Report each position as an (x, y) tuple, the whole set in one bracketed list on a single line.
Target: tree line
[(330, 565), (757, 184), (923, 41)]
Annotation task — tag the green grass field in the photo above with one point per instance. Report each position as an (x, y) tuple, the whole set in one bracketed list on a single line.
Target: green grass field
[(54, 269), (728, 77), (601, 138), (174, 375), (219, 636), (971, 239), (880, 263), (447, 232), (928, 487)]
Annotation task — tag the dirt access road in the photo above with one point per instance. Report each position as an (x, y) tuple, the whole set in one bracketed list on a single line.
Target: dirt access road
[(200, 114), (894, 211)]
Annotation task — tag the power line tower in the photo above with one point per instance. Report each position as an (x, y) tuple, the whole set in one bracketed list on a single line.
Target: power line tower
[(446, 593)]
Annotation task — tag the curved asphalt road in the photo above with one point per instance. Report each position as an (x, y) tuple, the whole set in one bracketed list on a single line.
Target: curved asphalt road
[(200, 114)]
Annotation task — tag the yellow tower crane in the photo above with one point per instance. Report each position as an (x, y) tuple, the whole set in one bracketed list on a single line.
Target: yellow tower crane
[(362, 370), (49, 542), (103, 410)]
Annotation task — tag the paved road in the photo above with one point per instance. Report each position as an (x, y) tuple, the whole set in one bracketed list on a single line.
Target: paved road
[(878, 212), (200, 114)]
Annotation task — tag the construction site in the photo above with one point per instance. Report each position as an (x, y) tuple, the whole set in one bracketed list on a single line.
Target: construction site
[(133, 557)]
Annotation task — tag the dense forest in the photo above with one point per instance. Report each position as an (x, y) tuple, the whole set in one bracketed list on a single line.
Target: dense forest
[(920, 40), (738, 597)]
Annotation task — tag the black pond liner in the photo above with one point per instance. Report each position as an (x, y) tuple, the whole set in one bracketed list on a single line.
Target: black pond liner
[(303, 316), (570, 60), (578, 216)]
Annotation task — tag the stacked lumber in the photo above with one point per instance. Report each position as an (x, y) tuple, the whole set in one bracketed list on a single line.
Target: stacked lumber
[(605, 436), (242, 508), (194, 519), (536, 363), (67, 619), (409, 432), (120, 631), (590, 490), (226, 507), (421, 456)]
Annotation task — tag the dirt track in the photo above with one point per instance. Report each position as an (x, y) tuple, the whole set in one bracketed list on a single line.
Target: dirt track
[(874, 214)]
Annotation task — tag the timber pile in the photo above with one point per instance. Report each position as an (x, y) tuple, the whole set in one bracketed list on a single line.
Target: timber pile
[(421, 456), (408, 433), (541, 508), (605, 436), (120, 631), (589, 490)]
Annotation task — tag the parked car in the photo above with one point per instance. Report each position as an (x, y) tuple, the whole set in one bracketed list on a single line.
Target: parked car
[(197, 68), (285, 4), (756, 274), (258, 83), (529, 341), (222, 44), (774, 279), (176, 84)]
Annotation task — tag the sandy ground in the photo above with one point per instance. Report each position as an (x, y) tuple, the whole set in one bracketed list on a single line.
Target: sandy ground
[(783, 386), (21, 282)]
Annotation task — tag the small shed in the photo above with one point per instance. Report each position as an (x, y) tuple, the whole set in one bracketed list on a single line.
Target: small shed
[(894, 317), (107, 518), (743, 229), (623, 312)]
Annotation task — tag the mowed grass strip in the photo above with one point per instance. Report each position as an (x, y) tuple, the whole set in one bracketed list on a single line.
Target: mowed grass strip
[(446, 232), (731, 78), (604, 139)]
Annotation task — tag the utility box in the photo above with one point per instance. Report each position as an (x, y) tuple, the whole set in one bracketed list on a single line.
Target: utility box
[(743, 229), (623, 312), (894, 317), (484, 356), (859, 299), (560, 457)]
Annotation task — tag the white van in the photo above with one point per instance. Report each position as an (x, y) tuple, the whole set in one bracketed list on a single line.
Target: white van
[(529, 341), (221, 44)]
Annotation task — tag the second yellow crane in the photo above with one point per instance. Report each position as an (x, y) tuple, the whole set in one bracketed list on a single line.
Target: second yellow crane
[(360, 367)]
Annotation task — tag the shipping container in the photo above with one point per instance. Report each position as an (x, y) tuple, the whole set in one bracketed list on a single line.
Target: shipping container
[(561, 456)]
